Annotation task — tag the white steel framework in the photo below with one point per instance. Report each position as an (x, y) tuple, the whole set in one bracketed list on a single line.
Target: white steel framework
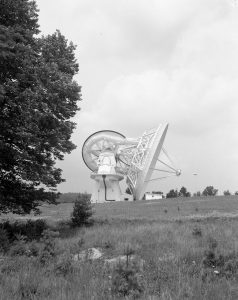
[(134, 158)]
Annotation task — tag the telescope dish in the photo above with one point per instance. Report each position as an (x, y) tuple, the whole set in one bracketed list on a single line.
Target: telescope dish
[(98, 142), (111, 156), (144, 160)]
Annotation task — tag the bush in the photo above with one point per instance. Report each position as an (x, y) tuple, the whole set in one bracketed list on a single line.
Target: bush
[(183, 192), (197, 231), (63, 265), (4, 240), (226, 193), (172, 194), (48, 251), (82, 211), (127, 281), (31, 230), (209, 191), (19, 247)]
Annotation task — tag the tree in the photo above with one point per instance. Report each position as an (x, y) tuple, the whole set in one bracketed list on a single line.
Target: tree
[(236, 193), (226, 193), (82, 211), (209, 191), (172, 194), (183, 192), (37, 99)]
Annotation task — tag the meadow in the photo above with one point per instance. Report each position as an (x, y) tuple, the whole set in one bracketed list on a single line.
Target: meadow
[(183, 248)]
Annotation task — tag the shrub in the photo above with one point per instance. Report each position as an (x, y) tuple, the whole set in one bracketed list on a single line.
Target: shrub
[(230, 268), (32, 230), (212, 243), (127, 280), (49, 247), (209, 260), (183, 192), (172, 194), (209, 191), (77, 246), (82, 211), (4, 241), (19, 247), (64, 265), (225, 265), (197, 231), (226, 193), (108, 245)]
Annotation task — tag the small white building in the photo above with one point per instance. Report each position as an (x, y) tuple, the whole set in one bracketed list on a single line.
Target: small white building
[(153, 196)]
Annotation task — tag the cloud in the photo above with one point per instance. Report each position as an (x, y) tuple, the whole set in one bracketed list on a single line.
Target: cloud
[(197, 91), (142, 63)]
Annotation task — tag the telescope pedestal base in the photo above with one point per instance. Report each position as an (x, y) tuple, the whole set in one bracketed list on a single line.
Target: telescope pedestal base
[(106, 188)]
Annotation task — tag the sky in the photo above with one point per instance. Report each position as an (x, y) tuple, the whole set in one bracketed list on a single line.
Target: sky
[(143, 63)]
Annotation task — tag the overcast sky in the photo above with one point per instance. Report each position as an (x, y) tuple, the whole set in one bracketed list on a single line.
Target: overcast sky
[(146, 62)]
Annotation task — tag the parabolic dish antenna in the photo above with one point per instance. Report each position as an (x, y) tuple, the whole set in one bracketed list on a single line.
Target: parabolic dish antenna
[(96, 144), (111, 157), (144, 160)]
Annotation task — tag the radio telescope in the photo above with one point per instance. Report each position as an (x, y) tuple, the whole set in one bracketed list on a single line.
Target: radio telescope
[(112, 157)]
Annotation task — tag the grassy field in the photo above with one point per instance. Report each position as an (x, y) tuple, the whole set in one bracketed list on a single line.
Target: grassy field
[(189, 250), (155, 210)]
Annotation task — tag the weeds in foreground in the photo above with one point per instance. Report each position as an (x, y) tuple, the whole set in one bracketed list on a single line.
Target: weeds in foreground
[(197, 231), (127, 280), (180, 261), (4, 241), (31, 230), (49, 249)]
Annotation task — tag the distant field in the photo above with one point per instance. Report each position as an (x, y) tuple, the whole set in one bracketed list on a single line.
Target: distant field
[(165, 209)]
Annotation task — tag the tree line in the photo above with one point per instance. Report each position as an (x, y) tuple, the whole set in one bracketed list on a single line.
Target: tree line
[(208, 191)]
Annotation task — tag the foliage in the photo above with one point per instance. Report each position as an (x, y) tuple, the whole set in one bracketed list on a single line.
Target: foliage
[(31, 230), (175, 193), (82, 211), (19, 247), (223, 265), (210, 191), (226, 193), (4, 240), (127, 280), (184, 193), (236, 193), (197, 231), (49, 249), (64, 264), (37, 99), (175, 266), (172, 194)]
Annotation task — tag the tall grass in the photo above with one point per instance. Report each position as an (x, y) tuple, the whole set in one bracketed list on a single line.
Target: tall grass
[(182, 259)]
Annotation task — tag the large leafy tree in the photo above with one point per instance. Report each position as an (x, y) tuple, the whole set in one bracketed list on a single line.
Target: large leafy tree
[(183, 192), (38, 96), (172, 194), (210, 191)]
